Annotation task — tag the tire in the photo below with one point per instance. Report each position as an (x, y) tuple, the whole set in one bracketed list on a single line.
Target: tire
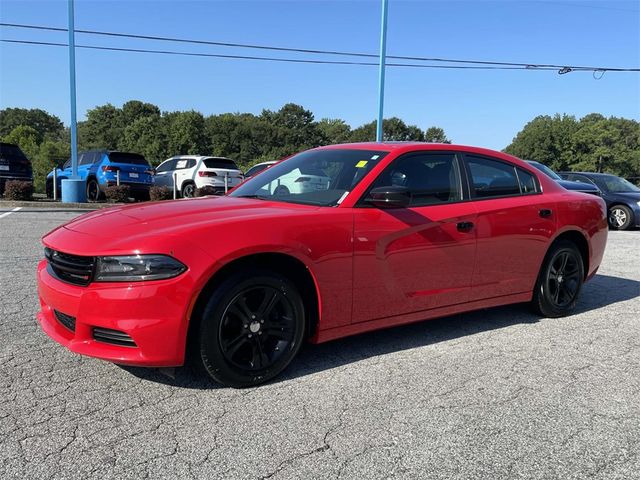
[(281, 190), (251, 328), (188, 190), (620, 217), (559, 281), (93, 190)]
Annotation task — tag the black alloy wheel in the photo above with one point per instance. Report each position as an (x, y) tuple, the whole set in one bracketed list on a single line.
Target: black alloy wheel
[(560, 280), (93, 190), (251, 328)]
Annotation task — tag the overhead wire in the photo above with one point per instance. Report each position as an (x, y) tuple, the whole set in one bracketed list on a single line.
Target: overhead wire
[(562, 69)]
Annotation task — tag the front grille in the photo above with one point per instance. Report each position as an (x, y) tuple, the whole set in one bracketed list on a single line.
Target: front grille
[(70, 268), (66, 320), (115, 337)]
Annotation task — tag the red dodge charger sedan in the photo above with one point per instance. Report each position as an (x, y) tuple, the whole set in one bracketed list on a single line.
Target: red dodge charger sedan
[(331, 242)]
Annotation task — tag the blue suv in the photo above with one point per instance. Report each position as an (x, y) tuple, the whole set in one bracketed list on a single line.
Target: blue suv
[(99, 168)]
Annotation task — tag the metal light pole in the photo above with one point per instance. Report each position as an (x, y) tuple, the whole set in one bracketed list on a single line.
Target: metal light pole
[(383, 54), (73, 189)]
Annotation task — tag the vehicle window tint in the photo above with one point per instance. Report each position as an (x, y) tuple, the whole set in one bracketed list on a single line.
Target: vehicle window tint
[(9, 151), (492, 178), (431, 178), (191, 163), (87, 158), (220, 163), (131, 158), (527, 181), (164, 166), (255, 170)]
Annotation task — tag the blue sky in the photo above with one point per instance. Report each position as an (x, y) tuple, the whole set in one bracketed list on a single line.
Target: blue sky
[(484, 108)]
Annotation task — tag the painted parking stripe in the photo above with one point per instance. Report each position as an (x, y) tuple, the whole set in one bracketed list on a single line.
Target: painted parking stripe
[(5, 214)]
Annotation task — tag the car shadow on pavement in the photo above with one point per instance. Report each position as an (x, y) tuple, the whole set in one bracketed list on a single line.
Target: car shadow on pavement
[(600, 292)]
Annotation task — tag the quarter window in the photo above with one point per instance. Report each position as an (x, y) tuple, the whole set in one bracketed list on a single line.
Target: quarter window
[(527, 182), (431, 178)]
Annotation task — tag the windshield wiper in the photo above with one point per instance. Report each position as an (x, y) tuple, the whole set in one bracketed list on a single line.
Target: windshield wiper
[(260, 197)]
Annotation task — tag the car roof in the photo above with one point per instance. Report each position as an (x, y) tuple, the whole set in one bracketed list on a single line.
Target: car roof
[(197, 157), (592, 174)]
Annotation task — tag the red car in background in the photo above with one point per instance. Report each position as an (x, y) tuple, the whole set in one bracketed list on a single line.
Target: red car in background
[(402, 232)]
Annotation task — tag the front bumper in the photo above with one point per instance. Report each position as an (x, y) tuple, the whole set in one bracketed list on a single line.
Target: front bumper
[(154, 314)]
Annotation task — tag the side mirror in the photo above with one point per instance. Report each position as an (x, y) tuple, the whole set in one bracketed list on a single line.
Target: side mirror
[(389, 197)]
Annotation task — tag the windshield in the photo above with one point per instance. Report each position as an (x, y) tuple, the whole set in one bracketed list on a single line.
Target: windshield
[(546, 170), (610, 183), (315, 177)]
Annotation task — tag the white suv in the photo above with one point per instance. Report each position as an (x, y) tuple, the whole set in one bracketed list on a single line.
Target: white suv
[(193, 171)]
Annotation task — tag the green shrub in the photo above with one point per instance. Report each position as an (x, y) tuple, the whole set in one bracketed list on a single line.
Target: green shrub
[(117, 193), (160, 193), (204, 191), (18, 190)]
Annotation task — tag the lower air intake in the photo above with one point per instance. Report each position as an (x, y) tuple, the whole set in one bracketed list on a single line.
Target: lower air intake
[(114, 337), (67, 320)]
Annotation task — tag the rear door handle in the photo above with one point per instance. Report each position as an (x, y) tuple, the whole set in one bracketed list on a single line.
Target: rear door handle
[(545, 212), (464, 226)]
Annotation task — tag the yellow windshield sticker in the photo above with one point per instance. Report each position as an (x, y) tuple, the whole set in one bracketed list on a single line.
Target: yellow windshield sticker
[(361, 164)]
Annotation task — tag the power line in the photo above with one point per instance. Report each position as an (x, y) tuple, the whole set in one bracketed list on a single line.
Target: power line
[(324, 52), (272, 59)]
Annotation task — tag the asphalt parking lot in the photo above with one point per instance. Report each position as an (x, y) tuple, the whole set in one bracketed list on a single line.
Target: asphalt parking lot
[(494, 394)]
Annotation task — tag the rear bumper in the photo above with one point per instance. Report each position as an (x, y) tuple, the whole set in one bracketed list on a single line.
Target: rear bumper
[(153, 314)]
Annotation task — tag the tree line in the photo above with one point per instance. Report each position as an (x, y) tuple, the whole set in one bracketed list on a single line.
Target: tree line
[(592, 143)]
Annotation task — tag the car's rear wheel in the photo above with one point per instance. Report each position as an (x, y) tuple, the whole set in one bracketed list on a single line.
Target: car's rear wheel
[(620, 217), (560, 281), (251, 328), (188, 190), (93, 190)]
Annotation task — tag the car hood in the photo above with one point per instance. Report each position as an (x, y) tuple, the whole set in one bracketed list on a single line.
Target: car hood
[(176, 216)]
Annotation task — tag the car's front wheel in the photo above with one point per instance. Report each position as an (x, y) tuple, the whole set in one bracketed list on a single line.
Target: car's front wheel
[(251, 328), (620, 217), (559, 281)]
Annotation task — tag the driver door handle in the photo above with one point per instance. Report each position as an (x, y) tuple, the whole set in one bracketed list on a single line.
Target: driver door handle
[(464, 226)]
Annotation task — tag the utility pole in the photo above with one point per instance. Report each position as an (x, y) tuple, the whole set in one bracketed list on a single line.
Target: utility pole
[(73, 189), (381, 72)]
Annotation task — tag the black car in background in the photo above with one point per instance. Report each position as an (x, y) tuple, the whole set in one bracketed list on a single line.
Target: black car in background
[(569, 185), (622, 197), (14, 165)]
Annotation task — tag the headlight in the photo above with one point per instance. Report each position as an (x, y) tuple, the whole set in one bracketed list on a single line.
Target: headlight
[(136, 268)]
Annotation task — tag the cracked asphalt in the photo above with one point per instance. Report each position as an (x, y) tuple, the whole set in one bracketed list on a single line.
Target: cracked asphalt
[(497, 394)]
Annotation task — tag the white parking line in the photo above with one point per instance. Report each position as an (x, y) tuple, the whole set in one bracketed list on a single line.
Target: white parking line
[(9, 213)]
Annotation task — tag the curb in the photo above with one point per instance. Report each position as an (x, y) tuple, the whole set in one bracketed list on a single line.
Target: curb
[(45, 206)]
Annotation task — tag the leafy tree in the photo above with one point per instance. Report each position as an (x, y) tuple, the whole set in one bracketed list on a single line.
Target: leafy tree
[(135, 109), (393, 130), (294, 130), (547, 140), (146, 136), (186, 133), (26, 137), (435, 135), (50, 154), (44, 124), (335, 130), (102, 129)]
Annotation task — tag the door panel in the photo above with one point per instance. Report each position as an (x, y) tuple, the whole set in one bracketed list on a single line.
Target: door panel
[(512, 241), (408, 260)]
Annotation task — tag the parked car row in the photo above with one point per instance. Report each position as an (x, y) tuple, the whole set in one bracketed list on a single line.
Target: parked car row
[(101, 169)]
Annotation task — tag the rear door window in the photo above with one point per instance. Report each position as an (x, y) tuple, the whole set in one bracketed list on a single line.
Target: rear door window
[(220, 163), (492, 178)]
